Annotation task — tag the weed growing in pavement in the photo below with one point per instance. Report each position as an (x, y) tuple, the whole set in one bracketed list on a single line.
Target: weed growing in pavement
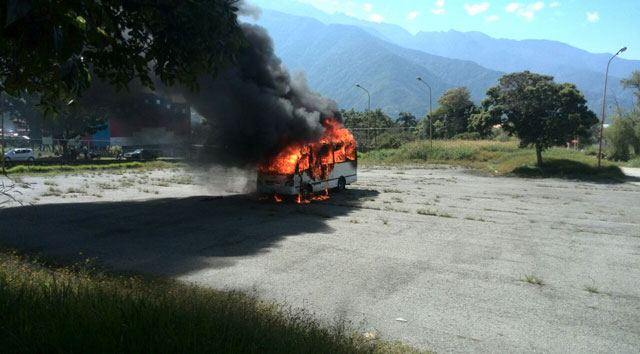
[(52, 192), (50, 183), (73, 190), (592, 288), (392, 191), (429, 212), (532, 279)]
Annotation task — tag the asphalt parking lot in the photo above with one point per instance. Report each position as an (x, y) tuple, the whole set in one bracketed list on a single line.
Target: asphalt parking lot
[(441, 258)]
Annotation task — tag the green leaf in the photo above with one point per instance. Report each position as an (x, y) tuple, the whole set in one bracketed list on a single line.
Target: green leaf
[(81, 23)]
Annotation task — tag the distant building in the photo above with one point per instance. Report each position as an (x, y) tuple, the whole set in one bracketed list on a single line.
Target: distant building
[(157, 122)]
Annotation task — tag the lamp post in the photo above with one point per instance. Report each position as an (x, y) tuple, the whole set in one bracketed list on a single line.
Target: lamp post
[(368, 109), (604, 100), (430, 108)]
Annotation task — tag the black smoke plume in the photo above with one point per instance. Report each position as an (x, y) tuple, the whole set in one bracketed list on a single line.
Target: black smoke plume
[(256, 107)]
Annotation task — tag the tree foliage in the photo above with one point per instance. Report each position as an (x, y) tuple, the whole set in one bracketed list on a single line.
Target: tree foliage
[(621, 135), (407, 120), (451, 117), (539, 111), (51, 48), (633, 81)]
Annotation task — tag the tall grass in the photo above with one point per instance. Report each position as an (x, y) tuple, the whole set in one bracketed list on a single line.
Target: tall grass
[(46, 309), (499, 158)]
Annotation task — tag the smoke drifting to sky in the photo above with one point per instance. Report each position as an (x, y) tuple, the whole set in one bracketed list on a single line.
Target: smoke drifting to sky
[(256, 107)]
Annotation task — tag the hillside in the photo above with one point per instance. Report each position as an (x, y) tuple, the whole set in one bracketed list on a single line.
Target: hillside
[(564, 62), (335, 57)]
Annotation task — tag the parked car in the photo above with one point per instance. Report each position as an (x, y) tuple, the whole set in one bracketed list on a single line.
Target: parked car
[(19, 155), (141, 154)]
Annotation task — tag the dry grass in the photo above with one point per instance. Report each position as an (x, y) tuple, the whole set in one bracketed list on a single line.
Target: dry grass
[(499, 158)]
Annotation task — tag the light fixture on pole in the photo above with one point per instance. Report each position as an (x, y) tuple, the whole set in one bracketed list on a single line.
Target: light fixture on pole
[(430, 111), (368, 109), (604, 100)]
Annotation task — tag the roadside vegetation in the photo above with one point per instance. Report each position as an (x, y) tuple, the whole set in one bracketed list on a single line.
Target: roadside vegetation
[(53, 169), (498, 158), (52, 308)]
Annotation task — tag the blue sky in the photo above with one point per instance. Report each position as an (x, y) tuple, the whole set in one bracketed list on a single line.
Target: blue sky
[(598, 26)]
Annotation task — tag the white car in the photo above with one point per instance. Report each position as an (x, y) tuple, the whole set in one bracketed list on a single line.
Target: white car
[(19, 155)]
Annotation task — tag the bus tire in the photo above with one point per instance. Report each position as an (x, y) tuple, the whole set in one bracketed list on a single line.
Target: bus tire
[(307, 191), (342, 184)]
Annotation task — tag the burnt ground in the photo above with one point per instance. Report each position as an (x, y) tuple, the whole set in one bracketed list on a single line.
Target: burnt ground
[(442, 258)]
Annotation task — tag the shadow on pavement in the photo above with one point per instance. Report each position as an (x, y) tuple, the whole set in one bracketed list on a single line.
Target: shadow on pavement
[(169, 236)]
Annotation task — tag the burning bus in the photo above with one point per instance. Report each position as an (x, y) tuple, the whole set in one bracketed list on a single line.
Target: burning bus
[(307, 168)]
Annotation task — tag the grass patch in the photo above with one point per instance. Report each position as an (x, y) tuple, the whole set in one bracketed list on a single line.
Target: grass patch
[(60, 309), (429, 212), (532, 279), (592, 288), (55, 169), (52, 192), (498, 158)]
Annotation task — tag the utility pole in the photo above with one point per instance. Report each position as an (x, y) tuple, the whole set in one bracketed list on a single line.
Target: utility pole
[(604, 99), (430, 111)]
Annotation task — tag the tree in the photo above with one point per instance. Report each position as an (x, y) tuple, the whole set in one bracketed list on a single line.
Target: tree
[(50, 48), (622, 134), (75, 121), (540, 112), (369, 122), (451, 117), (633, 81), (407, 120), (483, 121)]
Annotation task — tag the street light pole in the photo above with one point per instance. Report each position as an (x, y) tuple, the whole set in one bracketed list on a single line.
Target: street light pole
[(604, 100), (430, 111), (368, 109)]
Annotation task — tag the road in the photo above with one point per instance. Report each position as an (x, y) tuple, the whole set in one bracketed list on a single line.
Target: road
[(443, 259)]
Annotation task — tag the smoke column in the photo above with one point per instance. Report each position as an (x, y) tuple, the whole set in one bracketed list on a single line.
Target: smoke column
[(256, 107)]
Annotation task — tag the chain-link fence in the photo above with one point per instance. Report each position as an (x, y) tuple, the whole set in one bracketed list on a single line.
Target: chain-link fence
[(385, 138)]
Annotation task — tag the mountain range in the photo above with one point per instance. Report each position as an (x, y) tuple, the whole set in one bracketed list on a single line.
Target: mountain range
[(336, 51)]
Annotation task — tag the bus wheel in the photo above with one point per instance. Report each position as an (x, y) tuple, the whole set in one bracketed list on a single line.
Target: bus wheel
[(307, 191), (342, 184)]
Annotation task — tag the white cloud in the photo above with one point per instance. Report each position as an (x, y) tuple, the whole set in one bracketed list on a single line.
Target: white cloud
[(439, 10), (554, 4), (476, 8), (491, 18), (367, 7), (537, 6), (527, 11), (376, 18), (593, 16), (512, 7), (413, 14)]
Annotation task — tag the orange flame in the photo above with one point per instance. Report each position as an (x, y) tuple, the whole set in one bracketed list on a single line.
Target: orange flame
[(335, 145)]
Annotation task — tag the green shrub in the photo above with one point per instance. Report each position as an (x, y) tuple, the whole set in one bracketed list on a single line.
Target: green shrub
[(620, 137), (394, 139), (468, 136)]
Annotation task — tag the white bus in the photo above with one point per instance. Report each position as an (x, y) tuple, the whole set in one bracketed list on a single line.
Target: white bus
[(305, 182)]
